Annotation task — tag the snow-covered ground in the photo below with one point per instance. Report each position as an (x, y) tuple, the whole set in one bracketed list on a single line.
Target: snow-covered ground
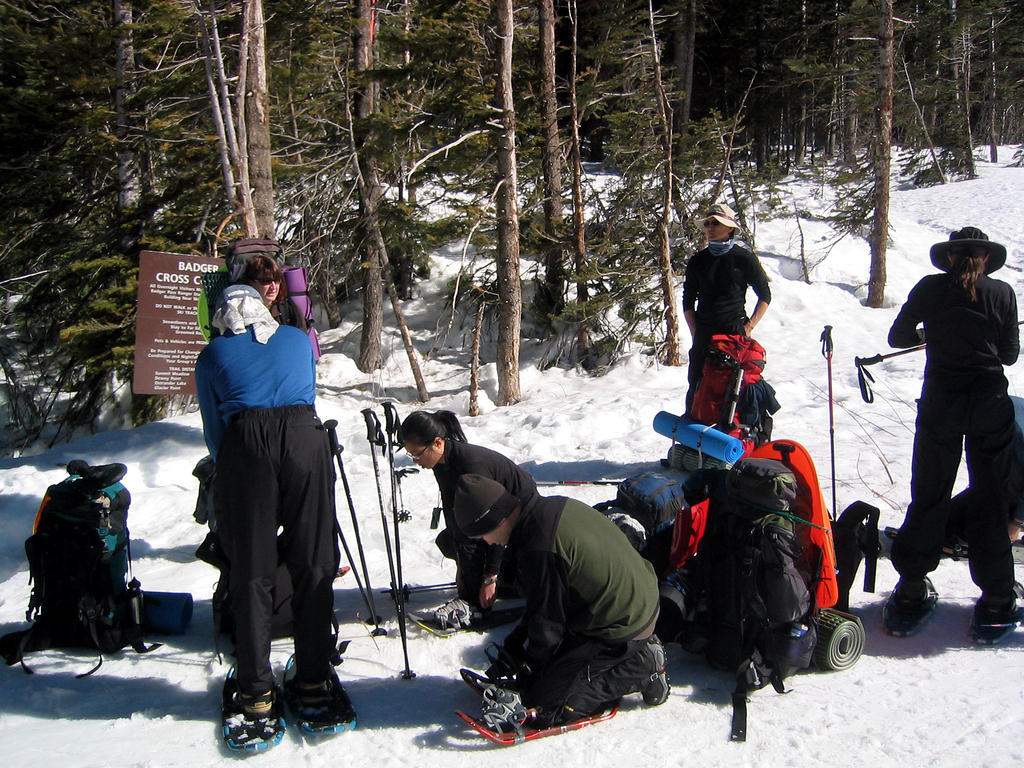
[(933, 699)]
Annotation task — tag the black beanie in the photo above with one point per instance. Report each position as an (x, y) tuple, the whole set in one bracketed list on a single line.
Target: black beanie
[(481, 504)]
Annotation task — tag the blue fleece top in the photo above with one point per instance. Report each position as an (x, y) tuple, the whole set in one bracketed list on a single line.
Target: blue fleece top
[(236, 373)]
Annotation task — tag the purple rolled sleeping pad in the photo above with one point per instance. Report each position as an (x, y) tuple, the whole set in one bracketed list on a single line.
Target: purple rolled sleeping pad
[(296, 281)]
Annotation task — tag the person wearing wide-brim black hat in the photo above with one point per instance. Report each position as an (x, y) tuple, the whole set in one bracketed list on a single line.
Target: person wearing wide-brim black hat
[(968, 239), (969, 322), (587, 637)]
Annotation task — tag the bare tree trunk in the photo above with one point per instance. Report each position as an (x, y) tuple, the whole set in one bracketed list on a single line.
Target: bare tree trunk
[(396, 307), (551, 297), (474, 363), (993, 130), (961, 61), (579, 242), (684, 32), (128, 174), (378, 267), (248, 207), (257, 119), (924, 125), (882, 158), (129, 156), (510, 296), (800, 127), (220, 102), (670, 353), (370, 357)]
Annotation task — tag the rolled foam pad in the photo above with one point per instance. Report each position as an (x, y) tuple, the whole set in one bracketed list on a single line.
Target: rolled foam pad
[(707, 440)]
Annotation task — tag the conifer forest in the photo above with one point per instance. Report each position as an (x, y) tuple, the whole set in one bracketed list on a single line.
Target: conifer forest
[(365, 134)]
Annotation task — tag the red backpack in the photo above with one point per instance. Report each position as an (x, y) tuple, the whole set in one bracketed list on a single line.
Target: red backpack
[(733, 362)]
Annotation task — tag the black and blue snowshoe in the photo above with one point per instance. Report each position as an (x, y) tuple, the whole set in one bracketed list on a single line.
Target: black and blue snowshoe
[(243, 731), (989, 627), (902, 616), (319, 711)]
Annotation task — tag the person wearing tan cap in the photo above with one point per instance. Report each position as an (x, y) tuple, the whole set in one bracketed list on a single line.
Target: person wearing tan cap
[(587, 637), (969, 322), (715, 289)]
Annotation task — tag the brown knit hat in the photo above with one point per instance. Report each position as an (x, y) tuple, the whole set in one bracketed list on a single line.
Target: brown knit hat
[(481, 504)]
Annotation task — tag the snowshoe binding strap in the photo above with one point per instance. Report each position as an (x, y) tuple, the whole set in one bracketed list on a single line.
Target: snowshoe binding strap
[(503, 668), (502, 710), (456, 613)]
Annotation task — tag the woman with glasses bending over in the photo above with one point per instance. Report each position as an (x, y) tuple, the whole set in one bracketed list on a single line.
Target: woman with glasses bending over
[(435, 441), (715, 290), (263, 273)]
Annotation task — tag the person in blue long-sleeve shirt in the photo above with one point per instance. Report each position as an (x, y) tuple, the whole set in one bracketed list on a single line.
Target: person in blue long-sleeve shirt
[(256, 386)]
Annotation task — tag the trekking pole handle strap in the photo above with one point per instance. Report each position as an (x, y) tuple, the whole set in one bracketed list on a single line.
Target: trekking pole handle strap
[(391, 420), (331, 425), (826, 342), (373, 432), (864, 380)]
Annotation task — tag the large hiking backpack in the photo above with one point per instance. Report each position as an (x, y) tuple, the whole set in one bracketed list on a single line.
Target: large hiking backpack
[(764, 569), (732, 363), (83, 594), (732, 395), (238, 255)]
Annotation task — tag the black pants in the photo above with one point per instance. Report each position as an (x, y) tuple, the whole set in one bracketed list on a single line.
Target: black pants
[(981, 422), (274, 470), (585, 677)]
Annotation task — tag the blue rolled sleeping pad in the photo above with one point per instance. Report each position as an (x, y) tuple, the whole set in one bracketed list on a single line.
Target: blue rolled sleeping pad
[(700, 437)]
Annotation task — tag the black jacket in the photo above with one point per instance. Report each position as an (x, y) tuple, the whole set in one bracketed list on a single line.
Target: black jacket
[(968, 341), (464, 459), (715, 287)]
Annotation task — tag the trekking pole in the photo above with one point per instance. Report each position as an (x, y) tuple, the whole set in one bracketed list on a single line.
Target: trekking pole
[(732, 399), (602, 481), (864, 377), (336, 448), (391, 423), (376, 440), (424, 588), (826, 351)]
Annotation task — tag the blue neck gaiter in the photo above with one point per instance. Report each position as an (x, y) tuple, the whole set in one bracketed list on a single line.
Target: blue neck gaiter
[(717, 249)]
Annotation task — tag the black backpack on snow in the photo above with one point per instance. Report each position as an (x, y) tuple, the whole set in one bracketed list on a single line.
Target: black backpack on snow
[(757, 592), (83, 594)]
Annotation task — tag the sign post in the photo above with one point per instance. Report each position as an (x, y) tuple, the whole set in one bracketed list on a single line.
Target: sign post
[(167, 335)]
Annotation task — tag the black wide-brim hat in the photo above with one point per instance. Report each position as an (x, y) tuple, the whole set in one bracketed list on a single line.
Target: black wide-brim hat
[(965, 238)]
